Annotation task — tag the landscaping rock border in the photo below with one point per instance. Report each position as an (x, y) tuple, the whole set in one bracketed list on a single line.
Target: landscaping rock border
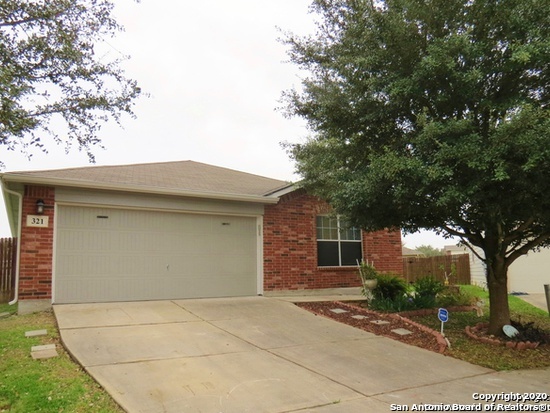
[(440, 339), (474, 333)]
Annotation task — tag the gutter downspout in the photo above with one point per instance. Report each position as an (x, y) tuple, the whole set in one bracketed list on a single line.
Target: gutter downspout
[(19, 218)]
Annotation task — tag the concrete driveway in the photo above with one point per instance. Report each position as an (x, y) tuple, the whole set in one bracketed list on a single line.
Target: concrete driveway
[(260, 354)]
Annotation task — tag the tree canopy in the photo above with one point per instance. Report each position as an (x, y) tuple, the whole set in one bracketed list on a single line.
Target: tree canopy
[(431, 114), (52, 82), (429, 251)]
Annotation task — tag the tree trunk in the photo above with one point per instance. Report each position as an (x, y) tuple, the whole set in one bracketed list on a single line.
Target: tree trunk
[(497, 281)]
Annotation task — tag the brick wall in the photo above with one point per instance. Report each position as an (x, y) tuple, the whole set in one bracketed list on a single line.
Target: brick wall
[(35, 273), (290, 248), (384, 249)]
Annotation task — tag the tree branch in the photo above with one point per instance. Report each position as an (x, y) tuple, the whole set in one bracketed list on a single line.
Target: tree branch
[(471, 248), (519, 230), (527, 247), (18, 22), (452, 231)]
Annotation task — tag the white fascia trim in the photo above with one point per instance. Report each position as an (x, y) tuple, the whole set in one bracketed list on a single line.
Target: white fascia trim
[(270, 199), (283, 191)]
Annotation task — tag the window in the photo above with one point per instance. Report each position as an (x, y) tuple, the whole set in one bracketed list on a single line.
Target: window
[(338, 243)]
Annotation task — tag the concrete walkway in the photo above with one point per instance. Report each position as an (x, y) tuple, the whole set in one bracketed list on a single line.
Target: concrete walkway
[(260, 354), (536, 299)]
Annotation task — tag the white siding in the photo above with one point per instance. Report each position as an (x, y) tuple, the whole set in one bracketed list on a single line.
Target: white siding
[(527, 274), (530, 272)]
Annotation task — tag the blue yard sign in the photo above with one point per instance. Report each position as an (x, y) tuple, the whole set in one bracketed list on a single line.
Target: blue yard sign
[(443, 316)]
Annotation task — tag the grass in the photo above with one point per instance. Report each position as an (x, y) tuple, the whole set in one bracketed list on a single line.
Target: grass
[(60, 385), (52, 385), (494, 357)]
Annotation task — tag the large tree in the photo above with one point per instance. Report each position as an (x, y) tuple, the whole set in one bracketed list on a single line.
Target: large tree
[(52, 81), (432, 114)]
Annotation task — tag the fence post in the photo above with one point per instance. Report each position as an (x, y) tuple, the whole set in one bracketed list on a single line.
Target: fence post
[(547, 292)]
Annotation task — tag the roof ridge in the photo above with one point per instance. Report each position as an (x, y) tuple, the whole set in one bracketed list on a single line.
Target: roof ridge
[(172, 176), (145, 164), (72, 168)]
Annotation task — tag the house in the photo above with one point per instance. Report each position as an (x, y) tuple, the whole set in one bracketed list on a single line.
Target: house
[(177, 230), (527, 274), (409, 252)]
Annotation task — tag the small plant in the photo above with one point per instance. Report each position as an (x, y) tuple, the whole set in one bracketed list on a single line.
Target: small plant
[(390, 287), (428, 286), (426, 290), (449, 277), (369, 277), (402, 303), (530, 332), (367, 271), (449, 298), (424, 301)]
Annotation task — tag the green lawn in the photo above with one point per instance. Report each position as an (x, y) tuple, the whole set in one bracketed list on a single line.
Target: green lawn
[(60, 385), (495, 357), (52, 385)]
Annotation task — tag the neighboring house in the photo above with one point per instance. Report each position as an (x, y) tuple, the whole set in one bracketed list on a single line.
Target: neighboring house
[(177, 230), (530, 272), (408, 252), (527, 274)]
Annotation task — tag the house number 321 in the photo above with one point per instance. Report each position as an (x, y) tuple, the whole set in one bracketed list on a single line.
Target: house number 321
[(37, 221)]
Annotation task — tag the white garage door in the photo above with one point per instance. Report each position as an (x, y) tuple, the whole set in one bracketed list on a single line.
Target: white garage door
[(105, 254)]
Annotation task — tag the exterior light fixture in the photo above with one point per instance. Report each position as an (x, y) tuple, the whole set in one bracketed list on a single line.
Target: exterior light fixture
[(40, 206)]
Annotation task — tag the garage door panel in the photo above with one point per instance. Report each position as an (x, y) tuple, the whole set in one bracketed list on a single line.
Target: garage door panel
[(105, 289), (144, 255), (81, 241)]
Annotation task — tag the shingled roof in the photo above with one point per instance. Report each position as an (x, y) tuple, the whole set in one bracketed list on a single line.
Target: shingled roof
[(182, 177)]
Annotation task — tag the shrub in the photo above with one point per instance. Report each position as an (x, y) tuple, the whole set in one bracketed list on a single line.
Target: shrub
[(448, 298), (401, 303), (426, 290), (424, 301), (390, 287), (428, 286)]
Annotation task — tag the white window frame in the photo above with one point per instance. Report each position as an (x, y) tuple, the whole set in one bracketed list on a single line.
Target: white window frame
[(339, 239)]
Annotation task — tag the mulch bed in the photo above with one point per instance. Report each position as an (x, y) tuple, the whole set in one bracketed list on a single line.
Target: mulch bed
[(422, 336)]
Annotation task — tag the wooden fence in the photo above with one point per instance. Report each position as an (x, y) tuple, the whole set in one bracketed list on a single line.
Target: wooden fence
[(455, 267), (8, 258)]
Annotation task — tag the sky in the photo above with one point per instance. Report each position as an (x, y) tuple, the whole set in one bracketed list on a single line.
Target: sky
[(214, 71)]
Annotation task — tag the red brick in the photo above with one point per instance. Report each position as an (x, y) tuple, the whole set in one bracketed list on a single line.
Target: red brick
[(35, 274), (290, 248)]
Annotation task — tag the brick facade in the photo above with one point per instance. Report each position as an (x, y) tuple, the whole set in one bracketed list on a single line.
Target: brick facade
[(35, 265), (290, 248)]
